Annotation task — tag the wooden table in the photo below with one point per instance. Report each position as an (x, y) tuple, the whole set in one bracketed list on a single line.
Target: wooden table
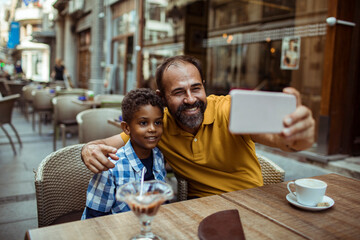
[(264, 213), (342, 221), (114, 122), (88, 103)]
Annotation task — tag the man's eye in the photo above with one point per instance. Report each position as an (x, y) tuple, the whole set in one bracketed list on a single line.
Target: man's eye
[(178, 93)]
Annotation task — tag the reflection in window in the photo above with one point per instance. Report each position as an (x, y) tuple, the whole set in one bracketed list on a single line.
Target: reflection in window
[(158, 28), (155, 12), (125, 23)]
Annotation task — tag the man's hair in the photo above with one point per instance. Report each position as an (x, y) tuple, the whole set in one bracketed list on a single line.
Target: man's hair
[(138, 98), (173, 61)]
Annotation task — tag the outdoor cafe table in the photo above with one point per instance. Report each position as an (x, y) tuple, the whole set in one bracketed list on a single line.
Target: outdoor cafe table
[(342, 221), (264, 212), (114, 122), (88, 103)]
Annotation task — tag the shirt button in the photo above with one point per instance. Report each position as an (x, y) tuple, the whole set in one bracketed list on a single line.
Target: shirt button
[(195, 140)]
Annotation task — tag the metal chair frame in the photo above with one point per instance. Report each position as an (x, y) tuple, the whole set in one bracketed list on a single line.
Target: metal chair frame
[(6, 109)]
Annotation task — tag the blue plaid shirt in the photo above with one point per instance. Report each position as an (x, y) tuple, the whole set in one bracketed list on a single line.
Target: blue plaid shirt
[(102, 187)]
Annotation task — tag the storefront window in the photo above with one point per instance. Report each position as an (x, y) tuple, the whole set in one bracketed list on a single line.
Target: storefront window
[(125, 23), (163, 22), (263, 45), (155, 11)]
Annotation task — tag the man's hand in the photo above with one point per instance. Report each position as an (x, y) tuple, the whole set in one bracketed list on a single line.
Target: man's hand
[(95, 157), (299, 131)]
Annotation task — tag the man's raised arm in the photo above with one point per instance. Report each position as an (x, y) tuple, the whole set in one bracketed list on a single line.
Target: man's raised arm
[(95, 153), (299, 129)]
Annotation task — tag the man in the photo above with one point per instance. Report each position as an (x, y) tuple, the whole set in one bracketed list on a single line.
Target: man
[(196, 141)]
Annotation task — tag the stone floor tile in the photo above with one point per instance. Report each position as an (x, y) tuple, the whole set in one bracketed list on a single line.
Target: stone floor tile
[(17, 211), (15, 172), (17, 230), (14, 189)]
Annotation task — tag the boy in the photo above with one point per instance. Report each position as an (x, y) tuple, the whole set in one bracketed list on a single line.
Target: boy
[(142, 113)]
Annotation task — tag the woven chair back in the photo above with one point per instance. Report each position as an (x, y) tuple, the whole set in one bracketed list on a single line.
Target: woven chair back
[(16, 88), (6, 108), (93, 124), (270, 171), (61, 182), (4, 88), (27, 92), (42, 99), (65, 109)]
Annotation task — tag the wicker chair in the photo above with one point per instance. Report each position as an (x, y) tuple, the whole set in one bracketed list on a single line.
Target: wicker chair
[(16, 88), (41, 105), (61, 182), (6, 108), (4, 88), (28, 97), (271, 173), (93, 124), (65, 111)]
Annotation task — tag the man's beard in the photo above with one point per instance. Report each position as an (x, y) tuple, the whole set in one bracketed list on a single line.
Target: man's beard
[(193, 121)]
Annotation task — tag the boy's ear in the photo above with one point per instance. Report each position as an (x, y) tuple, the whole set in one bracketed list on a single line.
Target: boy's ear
[(125, 127), (161, 95)]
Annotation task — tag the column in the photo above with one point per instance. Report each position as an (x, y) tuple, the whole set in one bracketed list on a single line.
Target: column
[(97, 39)]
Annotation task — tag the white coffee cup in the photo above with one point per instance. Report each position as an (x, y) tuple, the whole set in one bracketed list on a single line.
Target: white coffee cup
[(309, 191)]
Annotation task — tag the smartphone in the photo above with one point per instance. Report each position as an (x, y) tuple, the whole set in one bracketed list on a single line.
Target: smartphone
[(259, 111)]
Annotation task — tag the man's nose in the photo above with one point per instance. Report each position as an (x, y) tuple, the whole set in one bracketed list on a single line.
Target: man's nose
[(190, 98)]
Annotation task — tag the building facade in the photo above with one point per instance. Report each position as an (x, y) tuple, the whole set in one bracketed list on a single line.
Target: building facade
[(76, 38), (35, 56), (268, 45), (115, 46)]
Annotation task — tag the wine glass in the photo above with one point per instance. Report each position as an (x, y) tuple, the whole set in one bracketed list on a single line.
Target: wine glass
[(145, 202)]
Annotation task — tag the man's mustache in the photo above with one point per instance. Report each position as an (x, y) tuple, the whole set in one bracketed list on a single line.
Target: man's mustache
[(184, 106)]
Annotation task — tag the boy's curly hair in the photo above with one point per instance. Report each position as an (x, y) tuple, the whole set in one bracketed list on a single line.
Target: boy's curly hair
[(137, 98)]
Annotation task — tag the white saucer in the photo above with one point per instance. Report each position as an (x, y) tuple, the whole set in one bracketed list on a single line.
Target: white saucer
[(292, 199)]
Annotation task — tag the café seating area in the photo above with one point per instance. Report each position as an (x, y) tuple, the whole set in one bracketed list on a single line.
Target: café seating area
[(53, 104), (34, 168)]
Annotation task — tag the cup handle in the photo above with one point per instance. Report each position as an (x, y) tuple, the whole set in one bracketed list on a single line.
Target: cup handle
[(288, 187)]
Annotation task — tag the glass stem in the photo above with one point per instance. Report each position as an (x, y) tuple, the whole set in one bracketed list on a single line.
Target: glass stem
[(146, 228)]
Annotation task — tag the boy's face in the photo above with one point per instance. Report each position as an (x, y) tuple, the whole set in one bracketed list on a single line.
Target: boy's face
[(145, 129)]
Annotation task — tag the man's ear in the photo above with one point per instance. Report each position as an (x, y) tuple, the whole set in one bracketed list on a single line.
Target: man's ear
[(125, 127)]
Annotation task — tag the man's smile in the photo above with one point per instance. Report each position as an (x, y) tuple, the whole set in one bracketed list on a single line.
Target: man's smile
[(192, 110)]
